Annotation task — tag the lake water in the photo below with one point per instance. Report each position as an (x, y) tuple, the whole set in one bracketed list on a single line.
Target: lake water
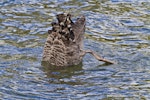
[(119, 30)]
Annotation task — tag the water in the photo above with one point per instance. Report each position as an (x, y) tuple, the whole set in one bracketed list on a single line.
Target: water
[(119, 30)]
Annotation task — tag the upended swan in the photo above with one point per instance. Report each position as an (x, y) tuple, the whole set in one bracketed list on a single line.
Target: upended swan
[(64, 44)]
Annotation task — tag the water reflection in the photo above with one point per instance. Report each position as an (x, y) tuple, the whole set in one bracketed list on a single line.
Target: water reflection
[(62, 75)]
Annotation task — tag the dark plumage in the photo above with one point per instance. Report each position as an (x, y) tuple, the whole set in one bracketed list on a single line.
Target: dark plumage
[(64, 44)]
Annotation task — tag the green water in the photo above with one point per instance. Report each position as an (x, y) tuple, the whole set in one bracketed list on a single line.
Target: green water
[(118, 30)]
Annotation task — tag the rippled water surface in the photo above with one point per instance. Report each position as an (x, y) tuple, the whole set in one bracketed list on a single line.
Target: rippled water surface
[(119, 30)]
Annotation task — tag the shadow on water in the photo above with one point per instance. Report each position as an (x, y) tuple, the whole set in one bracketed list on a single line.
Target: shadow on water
[(57, 74)]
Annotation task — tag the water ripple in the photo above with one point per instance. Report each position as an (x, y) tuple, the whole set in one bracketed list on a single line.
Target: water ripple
[(116, 29)]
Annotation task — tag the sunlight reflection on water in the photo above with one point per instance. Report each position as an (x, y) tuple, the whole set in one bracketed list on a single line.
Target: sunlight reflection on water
[(117, 29)]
